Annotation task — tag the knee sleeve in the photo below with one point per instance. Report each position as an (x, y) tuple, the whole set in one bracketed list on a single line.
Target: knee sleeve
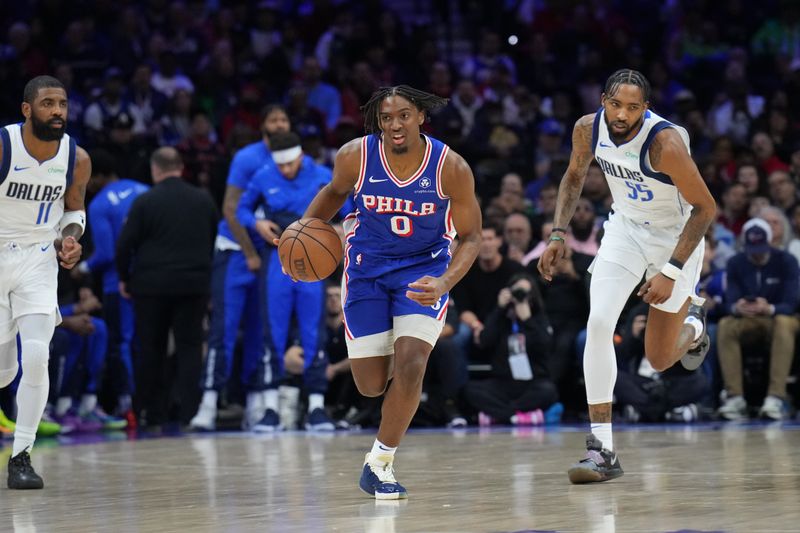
[(34, 362)]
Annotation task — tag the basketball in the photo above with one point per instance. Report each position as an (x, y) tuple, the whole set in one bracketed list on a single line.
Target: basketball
[(310, 249)]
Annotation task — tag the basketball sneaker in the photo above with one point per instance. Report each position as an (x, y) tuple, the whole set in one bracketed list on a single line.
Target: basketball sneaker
[(772, 408), (47, 426), (205, 419), (377, 479), (696, 354), (269, 424), (106, 421), (598, 465), (21, 474), (318, 420), (734, 409)]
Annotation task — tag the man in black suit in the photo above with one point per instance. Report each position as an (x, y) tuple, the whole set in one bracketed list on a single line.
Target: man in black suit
[(164, 262)]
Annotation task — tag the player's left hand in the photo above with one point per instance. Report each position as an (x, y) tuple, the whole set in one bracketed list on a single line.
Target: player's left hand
[(69, 252), (657, 289), (426, 290)]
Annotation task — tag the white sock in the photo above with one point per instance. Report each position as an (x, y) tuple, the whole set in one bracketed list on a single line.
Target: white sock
[(88, 403), (316, 401), (381, 454), (603, 432), (271, 399), (697, 324), (31, 401), (62, 405), (210, 400)]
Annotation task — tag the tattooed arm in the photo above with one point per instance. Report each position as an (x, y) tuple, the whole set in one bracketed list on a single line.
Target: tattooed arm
[(569, 191), (669, 155)]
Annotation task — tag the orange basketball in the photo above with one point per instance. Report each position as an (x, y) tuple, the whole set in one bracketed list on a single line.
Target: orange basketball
[(310, 249)]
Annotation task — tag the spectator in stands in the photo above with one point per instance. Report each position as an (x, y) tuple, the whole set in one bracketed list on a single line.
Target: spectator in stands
[(517, 236), (322, 96), (649, 396), (735, 203), (518, 337), (582, 236), (782, 190), (762, 297), (110, 104)]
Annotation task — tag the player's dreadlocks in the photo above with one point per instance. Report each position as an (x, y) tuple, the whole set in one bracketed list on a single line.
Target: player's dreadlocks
[(628, 76), (421, 100)]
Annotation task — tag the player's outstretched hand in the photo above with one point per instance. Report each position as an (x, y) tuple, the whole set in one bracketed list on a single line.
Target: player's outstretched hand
[(657, 289), (552, 254), (69, 252), (426, 291)]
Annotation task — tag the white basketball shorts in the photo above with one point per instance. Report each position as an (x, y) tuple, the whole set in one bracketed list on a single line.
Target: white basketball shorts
[(28, 283), (644, 250)]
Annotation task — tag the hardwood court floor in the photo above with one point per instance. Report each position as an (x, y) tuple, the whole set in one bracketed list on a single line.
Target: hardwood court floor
[(734, 478)]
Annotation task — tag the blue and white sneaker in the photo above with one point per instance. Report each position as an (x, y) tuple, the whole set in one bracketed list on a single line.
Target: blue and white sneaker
[(379, 482), (269, 424), (318, 420)]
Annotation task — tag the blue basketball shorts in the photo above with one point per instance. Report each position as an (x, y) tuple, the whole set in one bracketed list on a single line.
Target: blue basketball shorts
[(376, 309)]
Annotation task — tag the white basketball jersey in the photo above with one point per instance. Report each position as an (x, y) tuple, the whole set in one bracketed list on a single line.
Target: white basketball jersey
[(32, 194), (640, 193)]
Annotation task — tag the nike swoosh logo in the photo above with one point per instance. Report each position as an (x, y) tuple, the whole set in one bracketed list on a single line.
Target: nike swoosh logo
[(435, 254), (274, 190), (382, 448), (604, 145), (20, 168), (124, 194), (44, 248), (373, 180)]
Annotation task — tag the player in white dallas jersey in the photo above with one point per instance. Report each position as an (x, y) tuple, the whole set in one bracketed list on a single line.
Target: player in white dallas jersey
[(660, 213), (43, 178)]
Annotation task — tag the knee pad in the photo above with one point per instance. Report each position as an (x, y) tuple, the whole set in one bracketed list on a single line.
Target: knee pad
[(7, 375), (35, 355)]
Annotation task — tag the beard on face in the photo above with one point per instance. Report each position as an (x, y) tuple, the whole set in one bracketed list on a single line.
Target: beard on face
[(618, 137), (399, 149), (45, 131)]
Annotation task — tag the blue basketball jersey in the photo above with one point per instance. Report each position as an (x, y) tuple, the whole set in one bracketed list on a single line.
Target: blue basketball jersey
[(395, 218)]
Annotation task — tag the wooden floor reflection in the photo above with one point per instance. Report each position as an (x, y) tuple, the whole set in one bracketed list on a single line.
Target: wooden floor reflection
[(677, 478)]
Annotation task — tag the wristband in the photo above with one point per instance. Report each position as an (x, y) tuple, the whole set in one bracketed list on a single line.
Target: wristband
[(556, 238), (560, 230), (673, 261), (671, 271)]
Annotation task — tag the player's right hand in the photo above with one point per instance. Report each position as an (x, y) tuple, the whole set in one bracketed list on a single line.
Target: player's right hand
[(275, 242), (554, 253)]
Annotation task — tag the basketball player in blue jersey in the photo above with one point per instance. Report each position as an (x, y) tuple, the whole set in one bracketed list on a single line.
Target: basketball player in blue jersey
[(43, 178), (285, 191), (237, 294), (660, 213), (108, 211), (412, 196)]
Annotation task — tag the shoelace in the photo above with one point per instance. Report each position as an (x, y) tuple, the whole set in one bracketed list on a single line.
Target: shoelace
[(385, 473), (25, 463)]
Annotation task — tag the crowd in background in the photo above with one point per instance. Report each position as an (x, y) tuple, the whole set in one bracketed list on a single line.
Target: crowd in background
[(196, 75)]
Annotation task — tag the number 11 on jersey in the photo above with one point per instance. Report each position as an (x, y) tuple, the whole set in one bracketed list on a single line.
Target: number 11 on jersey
[(44, 212)]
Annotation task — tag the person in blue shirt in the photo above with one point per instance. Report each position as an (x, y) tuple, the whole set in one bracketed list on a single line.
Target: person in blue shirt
[(237, 292), (285, 191), (107, 213)]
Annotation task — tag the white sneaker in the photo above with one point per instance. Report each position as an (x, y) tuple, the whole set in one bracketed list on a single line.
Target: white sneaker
[(205, 419), (734, 409), (772, 408)]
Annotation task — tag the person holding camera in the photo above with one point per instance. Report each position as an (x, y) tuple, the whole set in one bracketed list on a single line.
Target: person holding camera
[(762, 297), (519, 335)]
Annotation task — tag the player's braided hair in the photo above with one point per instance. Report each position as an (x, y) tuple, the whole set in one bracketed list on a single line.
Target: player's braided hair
[(627, 76), (421, 100)]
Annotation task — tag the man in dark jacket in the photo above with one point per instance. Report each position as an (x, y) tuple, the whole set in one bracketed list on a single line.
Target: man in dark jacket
[(164, 262), (520, 338), (761, 295)]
